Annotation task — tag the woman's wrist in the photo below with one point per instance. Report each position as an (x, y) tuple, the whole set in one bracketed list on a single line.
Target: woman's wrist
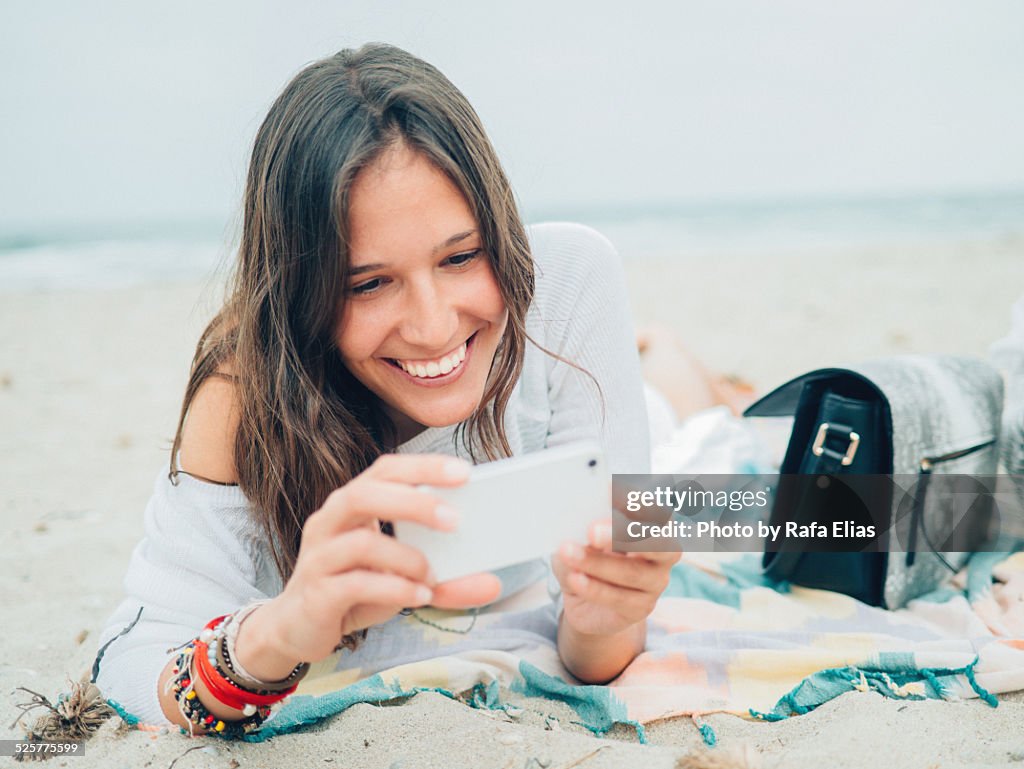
[(213, 704), (210, 691), (598, 658), (258, 650), (172, 710)]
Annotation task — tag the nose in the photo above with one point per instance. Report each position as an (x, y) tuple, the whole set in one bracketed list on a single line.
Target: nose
[(430, 318)]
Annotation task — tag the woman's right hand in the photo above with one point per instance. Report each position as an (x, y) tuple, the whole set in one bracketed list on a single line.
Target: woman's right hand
[(349, 575)]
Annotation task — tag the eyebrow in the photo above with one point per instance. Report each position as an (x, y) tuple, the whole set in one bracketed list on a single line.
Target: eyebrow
[(453, 240)]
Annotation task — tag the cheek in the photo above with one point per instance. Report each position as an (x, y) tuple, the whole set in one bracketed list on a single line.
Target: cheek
[(357, 335), (488, 299)]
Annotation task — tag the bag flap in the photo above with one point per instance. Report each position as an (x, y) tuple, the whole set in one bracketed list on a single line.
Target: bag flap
[(936, 404), (784, 399)]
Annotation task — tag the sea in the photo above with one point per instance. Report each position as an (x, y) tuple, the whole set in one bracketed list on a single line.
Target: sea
[(58, 258)]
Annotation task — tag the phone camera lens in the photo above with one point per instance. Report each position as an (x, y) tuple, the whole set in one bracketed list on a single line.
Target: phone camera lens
[(592, 463)]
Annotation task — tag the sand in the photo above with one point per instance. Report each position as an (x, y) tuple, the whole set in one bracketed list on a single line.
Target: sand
[(90, 386)]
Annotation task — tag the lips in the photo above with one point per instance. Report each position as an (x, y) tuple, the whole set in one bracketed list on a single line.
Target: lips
[(437, 368)]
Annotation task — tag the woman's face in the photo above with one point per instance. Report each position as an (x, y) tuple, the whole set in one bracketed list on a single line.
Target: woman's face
[(424, 315)]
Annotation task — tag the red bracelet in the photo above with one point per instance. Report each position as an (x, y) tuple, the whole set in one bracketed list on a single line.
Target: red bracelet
[(195, 711), (226, 692)]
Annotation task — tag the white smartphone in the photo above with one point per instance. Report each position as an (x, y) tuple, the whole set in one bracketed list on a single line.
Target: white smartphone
[(516, 509)]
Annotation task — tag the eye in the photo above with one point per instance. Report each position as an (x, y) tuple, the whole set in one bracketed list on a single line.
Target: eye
[(368, 287), (461, 260)]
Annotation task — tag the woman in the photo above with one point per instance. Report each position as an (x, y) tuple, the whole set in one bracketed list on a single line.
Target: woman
[(388, 308)]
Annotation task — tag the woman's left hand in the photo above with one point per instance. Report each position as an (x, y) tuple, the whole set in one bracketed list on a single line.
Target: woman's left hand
[(607, 592)]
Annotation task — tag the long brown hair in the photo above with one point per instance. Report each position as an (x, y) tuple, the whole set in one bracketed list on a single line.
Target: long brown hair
[(307, 426)]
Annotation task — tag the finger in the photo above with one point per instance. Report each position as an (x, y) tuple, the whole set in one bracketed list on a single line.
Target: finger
[(364, 548), (637, 503), (561, 572), (671, 557), (364, 500), (415, 469), (467, 592), (599, 534), (557, 565), (602, 535), (615, 568), (366, 615), (372, 587), (628, 603)]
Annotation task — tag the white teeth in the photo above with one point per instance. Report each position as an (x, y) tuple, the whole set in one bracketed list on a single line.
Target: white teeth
[(434, 368)]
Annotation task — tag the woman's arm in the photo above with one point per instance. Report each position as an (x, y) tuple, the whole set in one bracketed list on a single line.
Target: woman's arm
[(196, 561), (597, 658), (255, 649), (586, 318), (170, 706), (608, 597), (199, 560), (583, 314)]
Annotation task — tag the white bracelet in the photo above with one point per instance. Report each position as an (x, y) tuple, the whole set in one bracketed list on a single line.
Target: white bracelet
[(231, 629)]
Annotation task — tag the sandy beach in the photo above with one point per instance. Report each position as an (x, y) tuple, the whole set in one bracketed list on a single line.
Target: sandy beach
[(90, 387)]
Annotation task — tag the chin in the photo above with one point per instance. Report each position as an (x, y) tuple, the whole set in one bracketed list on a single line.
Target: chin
[(444, 411), (445, 417)]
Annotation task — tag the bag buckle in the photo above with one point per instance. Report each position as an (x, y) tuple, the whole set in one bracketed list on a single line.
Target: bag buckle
[(851, 450)]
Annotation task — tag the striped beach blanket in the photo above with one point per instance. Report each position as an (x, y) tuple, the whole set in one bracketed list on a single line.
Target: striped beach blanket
[(721, 640)]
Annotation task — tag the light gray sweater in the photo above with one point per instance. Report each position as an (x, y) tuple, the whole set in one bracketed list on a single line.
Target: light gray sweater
[(202, 556)]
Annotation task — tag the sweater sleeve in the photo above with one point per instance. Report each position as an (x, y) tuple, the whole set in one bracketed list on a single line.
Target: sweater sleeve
[(586, 320), (197, 560)]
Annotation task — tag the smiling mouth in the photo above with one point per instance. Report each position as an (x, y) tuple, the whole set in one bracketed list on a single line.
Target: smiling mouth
[(437, 368)]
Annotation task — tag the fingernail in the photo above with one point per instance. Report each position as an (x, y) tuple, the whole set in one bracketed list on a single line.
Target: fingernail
[(447, 516), (572, 552), (603, 534), (581, 579), (456, 469), (424, 595), (431, 577)]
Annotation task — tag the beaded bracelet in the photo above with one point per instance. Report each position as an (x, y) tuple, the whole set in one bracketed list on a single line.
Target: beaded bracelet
[(210, 648), (226, 665), (196, 713), (226, 692), (256, 699)]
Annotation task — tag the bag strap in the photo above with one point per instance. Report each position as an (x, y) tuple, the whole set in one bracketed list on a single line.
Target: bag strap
[(823, 460)]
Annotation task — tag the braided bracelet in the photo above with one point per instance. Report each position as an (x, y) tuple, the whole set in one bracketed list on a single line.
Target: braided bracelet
[(242, 695), (196, 713), (226, 692), (256, 699)]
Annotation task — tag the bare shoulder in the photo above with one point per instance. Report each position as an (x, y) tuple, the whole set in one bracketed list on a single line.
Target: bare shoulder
[(208, 436)]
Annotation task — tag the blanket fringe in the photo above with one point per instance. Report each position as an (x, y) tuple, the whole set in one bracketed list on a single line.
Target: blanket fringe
[(706, 732), (866, 679)]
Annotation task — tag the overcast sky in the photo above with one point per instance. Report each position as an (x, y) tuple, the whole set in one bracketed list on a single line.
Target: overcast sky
[(120, 112)]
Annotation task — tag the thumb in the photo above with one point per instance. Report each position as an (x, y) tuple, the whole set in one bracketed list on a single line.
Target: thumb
[(467, 592)]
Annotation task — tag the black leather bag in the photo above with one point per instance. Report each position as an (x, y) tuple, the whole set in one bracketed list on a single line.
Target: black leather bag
[(898, 416)]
